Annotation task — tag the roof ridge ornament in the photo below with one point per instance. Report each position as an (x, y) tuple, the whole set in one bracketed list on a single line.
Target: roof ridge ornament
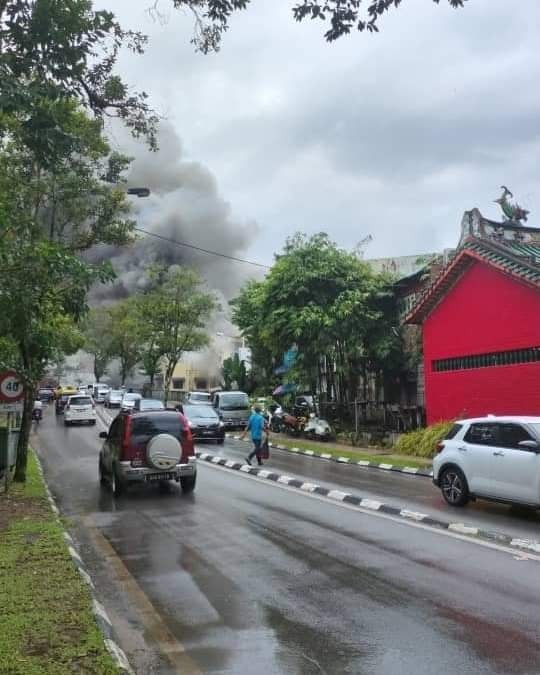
[(512, 211)]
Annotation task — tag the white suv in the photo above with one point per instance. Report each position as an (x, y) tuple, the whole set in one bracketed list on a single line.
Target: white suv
[(490, 457), (79, 408)]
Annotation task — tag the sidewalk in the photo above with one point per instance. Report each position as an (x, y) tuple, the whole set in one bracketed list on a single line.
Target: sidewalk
[(46, 622)]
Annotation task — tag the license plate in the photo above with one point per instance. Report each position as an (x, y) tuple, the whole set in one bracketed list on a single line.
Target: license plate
[(161, 476)]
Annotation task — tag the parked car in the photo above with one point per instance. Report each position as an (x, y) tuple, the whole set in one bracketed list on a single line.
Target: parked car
[(233, 408), (101, 394), (60, 404), (199, 397), (204, 423), (128, 400), (79, 409), (148, 447), (143, 404), (495, 458), (114, 398)]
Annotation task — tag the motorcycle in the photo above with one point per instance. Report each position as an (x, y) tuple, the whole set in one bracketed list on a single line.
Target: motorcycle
[(317, 429), (37, 415), (293, 425)]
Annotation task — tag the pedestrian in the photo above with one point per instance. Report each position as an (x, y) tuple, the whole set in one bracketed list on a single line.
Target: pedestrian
[(256, 425)]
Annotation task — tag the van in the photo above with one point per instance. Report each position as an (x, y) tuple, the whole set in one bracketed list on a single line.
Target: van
[(233, 408)]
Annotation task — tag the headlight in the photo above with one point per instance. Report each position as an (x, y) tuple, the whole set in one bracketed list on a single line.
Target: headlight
[(221, 424)]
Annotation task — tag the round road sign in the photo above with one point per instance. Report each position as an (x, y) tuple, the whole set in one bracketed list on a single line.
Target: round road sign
[(11, 388)]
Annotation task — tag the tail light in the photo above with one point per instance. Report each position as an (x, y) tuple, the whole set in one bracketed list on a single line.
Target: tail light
[(439, 447), (126, 451), (188, 449)]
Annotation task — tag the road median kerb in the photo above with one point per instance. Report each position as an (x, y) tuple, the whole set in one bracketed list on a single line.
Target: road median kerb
[(524, 545), (409, 470), (102, 618)]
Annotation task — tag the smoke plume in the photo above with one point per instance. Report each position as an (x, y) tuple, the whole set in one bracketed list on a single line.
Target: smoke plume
[(185, 205)]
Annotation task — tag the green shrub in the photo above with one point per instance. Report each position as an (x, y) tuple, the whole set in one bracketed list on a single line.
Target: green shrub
[(422, 442)]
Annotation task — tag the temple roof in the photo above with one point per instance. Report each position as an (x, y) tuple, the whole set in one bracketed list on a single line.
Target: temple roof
[(509, 247)]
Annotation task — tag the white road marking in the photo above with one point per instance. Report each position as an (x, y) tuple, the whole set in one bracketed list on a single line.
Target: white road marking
[(413, 514), (378, 514), (337, 494), (371, 504), (386, 466), (462, 528)]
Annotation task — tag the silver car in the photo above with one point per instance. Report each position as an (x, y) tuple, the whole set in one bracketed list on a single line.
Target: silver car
[(113, 398), (128, 400)]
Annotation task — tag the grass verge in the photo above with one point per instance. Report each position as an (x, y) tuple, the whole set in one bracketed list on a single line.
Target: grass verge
[(359, 454), (46, 622)]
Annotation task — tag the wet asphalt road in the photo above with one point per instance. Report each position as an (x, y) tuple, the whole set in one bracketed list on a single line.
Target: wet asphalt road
[(252, 577), (416, 493)]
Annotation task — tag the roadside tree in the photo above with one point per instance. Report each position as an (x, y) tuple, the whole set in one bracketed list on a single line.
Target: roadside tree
[(177, 309), (329, 304), (97, 339), (124, 335)]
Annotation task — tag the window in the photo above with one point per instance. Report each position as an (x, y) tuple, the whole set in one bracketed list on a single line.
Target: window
[(201, 383), (510, 435), (453, 431), (508, 358), (178, 382), (482, 434), (80, 400), (115, 432), (144, 428)]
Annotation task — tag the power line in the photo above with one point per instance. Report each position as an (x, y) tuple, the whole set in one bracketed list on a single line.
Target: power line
[(183, 244)]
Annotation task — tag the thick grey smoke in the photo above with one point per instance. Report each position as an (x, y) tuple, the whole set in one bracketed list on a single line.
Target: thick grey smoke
[(184, 205)]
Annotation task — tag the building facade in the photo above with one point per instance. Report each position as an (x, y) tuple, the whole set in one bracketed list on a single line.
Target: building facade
[(480, 321)]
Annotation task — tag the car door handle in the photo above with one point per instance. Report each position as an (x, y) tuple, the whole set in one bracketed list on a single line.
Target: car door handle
[(498, 454), (462, 448)]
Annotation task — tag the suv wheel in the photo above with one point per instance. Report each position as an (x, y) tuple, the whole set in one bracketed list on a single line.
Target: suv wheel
[(454, 486), (188, 483), (117, 487), (101, 473)]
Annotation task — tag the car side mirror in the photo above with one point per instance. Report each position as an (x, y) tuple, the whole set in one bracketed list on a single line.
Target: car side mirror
[(534, 446), (103, 434)]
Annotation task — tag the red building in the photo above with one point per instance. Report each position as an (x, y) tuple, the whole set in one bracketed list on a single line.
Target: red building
[(480, 321)]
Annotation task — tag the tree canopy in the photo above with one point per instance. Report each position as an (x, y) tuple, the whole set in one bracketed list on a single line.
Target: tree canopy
[(340, 17), (331, 306)]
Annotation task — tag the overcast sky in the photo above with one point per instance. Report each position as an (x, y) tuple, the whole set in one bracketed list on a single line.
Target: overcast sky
[(392, 135)]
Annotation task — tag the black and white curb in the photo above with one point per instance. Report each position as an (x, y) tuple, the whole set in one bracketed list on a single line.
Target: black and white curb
[(411, 470), (374, 505), (102, 618)]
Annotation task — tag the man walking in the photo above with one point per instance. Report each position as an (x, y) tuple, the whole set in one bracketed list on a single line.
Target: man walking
[(255, 425)]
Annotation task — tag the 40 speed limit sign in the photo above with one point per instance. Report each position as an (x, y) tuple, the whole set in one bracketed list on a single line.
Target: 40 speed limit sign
[(11, 389)]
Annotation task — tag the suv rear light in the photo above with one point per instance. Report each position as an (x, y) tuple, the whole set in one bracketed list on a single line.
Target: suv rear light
[(126, 452), (188, 448), (439, 447)]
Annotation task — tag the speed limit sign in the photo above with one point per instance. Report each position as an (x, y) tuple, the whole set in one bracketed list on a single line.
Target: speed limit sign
[(11, 388)]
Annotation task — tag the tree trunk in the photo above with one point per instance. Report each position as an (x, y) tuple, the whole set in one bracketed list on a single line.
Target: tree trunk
[(171, 365), (22, 445)]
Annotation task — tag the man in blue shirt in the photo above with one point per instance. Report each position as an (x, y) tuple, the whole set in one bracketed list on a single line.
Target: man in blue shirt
[(255, 425)]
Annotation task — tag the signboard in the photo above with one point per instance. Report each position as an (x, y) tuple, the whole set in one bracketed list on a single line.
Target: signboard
[(11, 407), (11, 388)]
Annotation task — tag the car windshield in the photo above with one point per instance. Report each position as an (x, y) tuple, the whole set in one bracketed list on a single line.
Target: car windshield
[(200, 398), (80, 400), (234, 402), (200, 412), (131, 397), (151, 404), (116, 393)]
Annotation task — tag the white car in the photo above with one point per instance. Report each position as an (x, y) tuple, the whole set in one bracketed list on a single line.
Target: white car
[(490, 457), (79, 408), (128, 400)]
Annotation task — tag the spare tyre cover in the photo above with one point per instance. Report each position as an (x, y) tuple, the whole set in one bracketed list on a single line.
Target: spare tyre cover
[(163, 452)]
